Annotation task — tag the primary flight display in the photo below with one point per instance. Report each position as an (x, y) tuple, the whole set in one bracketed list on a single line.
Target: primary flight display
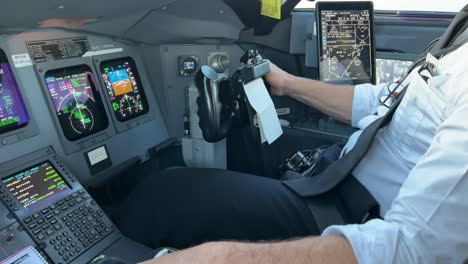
[(13, 113), (124, 88)]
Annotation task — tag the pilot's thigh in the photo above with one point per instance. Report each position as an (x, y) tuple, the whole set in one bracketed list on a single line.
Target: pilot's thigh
[(185, 207)]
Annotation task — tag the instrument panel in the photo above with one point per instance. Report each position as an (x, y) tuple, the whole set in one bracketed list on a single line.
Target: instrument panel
[(54, 209), (77, 101), (124, 88), (13, 112)]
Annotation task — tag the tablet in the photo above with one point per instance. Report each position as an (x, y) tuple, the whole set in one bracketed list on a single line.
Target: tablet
[(346, 42)]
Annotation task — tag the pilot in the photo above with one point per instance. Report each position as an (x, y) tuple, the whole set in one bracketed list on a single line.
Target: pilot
[(415, 168)]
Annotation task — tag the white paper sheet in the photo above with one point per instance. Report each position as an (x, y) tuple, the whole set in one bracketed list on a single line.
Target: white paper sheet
[(269, 125), (27, 255)]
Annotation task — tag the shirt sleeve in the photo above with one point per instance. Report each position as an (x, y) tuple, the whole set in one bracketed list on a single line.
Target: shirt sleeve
[(365, 101), (427, 222)]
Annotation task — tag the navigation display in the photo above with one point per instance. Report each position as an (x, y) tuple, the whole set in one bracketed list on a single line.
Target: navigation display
[(34, 186), (13, 113), (124, 88), (346, 42), (77, 101)]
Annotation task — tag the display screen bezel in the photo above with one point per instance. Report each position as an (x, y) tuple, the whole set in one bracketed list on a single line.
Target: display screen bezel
[(53, 197), (347, 5), (15, 126), (77, 69), (141, 89)]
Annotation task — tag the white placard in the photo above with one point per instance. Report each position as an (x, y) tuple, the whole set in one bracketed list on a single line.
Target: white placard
[(21, 60), (97, 155), (260, 100)]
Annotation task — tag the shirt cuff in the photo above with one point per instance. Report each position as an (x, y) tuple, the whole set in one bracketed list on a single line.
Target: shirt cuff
[(365, 101), (373, 242)]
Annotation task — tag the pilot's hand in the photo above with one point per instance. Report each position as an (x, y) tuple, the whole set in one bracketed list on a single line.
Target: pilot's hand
[(277, 79)]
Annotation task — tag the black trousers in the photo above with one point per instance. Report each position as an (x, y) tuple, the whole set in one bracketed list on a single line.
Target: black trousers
[(187, 207)]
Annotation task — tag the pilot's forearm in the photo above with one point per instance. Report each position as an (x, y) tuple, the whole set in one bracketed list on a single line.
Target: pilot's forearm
[(333, 249), (333, 100)]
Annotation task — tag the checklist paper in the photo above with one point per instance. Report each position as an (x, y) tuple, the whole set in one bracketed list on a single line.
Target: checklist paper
[(260, 100)]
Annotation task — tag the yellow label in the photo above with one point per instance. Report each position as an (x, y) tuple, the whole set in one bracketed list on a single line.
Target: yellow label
[(271, 8)]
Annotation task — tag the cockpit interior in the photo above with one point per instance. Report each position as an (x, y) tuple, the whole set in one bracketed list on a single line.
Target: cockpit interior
[(97, 97)]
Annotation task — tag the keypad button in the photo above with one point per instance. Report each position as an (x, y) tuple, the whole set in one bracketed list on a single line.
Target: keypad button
[(52, 207), (78, 249), (32, 226), (61, 252), (52, 241), (60, 203), (37, 231), (40, 221), (56, 247), (50, 232), (45, 211), (41, 236), (57, 212), (69, 239), (53, 221), (63, 243), (36, 215), (49, 216), (74, 195), (85, 244), (46, 226), (67, 248), (81, 191), (57, 226), (27, 220), (65, 258)]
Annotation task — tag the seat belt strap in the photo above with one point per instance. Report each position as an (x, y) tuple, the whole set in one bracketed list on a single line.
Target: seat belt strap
[(325, 210)]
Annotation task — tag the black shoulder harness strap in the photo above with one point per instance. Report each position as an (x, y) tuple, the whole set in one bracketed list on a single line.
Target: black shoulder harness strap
[(338, 171)]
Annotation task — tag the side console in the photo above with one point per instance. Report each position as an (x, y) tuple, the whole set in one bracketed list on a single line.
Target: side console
[(54, 209)]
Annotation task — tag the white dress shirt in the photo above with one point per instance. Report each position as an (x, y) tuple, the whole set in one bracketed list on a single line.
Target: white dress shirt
[(416, 170)]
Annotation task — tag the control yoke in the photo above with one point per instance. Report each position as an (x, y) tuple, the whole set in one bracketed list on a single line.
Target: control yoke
[(222, 103)]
